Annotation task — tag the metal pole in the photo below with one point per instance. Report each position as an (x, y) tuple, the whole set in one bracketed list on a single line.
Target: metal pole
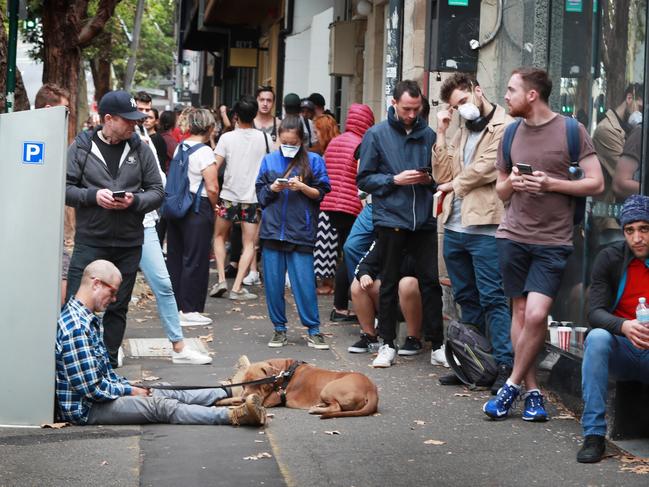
[(11, 54)]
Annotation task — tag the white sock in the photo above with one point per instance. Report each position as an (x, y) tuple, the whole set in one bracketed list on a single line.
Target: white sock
[(511, 384), (534, 390)]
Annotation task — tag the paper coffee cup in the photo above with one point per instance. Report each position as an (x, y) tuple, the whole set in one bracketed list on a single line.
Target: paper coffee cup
[(554, 333), (580, 335), (564, 333)]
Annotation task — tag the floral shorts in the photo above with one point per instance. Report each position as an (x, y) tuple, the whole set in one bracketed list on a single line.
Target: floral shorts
[(239, 212)]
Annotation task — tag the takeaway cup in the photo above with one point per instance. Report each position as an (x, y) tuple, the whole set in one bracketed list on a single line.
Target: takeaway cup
[(564, 333), (580, 334), (554, 333)]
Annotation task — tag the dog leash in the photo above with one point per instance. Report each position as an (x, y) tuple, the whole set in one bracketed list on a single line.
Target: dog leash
[(271, 379)]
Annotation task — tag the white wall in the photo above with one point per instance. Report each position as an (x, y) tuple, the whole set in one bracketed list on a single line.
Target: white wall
[(306, 69)]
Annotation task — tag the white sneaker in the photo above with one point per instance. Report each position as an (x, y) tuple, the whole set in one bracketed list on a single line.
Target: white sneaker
[(252, 279), (549, 361), (438, 357), (386, 357), (190, 357), (120, 357), (193, 319)]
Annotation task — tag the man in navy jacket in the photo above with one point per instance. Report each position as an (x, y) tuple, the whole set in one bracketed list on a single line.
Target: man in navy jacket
[(395, 167)]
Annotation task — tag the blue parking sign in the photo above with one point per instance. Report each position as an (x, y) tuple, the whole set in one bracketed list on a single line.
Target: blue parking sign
[(33, 152)]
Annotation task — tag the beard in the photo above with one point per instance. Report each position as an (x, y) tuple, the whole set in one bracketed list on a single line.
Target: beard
[(522, 112)]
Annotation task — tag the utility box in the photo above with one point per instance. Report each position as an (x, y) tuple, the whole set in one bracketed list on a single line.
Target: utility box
[(32, 171), (451, 25), (342, 39)]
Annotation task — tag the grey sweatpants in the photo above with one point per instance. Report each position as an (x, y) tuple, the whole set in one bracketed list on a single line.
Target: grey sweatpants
[(164, 406)]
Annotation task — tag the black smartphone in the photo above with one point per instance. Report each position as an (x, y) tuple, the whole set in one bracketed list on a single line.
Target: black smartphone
[(524, 168), (119, 194), (427, 169)]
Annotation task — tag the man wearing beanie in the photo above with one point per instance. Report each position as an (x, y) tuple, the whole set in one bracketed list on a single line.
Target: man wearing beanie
[(618, 343)]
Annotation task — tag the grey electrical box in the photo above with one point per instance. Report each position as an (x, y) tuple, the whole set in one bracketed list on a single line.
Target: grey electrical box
[(32, 171), (342, 39)]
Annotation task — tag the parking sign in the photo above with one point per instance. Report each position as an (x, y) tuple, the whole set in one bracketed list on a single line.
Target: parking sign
[(33, 152)]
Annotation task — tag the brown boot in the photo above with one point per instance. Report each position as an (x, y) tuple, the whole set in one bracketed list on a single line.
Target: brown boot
[(250, 413)]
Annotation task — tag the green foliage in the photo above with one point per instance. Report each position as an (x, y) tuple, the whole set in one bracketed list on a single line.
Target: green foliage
[(155, 52)]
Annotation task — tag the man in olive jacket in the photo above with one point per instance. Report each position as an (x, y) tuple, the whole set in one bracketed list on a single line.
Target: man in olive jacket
[(465, 170), (113, 181), (619, 343)]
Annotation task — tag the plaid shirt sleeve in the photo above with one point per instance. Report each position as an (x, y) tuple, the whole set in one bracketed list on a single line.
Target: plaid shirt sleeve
[(84, 372)]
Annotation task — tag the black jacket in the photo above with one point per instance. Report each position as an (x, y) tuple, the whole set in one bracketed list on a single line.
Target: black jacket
[(609, 267), (87, 173)]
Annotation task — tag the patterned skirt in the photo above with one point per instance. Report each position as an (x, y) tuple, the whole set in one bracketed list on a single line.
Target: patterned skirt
[(326, 249)]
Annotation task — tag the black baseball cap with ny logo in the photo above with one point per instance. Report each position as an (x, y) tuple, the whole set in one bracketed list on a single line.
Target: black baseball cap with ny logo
[(120, 103)]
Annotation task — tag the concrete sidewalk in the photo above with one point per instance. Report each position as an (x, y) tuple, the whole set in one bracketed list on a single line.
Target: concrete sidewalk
[(392, 448)]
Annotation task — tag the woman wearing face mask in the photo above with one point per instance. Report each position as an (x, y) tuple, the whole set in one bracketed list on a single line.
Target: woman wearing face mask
[(290, 185)]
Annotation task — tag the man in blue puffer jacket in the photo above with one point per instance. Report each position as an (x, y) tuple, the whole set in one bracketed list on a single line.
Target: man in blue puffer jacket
[(395, 168)]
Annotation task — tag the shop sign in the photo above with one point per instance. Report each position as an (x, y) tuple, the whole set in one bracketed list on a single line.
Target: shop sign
[(458, 3), (574, 6)]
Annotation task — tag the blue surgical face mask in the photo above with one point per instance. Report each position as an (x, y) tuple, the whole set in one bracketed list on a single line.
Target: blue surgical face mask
[(289, 151)]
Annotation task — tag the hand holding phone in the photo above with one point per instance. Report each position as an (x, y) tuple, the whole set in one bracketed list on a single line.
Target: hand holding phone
[(281, 181), (119, 194), (426, 169)]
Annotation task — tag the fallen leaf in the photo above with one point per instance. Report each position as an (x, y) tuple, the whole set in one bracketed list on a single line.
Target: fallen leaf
[(563, 416), (434, 442), (104, 462), (140, 320), (237, 329), (461, 394), (259, 441), (150, 378), (334, 432), (55, 426), (419, 422), (206, 338), (256, 317), (236, 310), (258, 456)]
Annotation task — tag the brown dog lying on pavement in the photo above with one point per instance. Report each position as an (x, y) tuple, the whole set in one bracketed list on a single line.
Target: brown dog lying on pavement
[(324, 392)]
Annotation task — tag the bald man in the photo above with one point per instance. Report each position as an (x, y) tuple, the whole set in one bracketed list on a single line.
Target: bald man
[(88, 391)]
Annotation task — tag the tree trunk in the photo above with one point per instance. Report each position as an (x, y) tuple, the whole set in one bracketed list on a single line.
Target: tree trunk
[(615, 40), (21, 102), (137, 27)]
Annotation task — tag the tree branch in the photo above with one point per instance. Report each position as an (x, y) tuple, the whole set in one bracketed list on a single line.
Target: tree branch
[(93, 27)]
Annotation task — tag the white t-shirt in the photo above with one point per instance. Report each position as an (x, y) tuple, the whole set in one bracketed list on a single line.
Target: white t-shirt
[(243, 151), (198, 161)]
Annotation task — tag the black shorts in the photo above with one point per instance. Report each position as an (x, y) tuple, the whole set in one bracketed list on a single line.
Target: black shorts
[(530, 268)]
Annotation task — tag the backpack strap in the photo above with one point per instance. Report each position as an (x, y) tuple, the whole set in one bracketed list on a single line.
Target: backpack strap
[(266, 142), (574, 140), (508, 139), (188, 152)]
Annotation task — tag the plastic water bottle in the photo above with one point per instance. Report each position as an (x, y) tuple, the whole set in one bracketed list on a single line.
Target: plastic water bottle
[(642, 312)]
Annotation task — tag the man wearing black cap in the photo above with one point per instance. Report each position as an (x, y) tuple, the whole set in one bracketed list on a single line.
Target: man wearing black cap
[(293, 106), (112, 181), (619, 343), (307, 111)]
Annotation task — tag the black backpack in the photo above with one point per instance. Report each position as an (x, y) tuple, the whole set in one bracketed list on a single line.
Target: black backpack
[(574, 148), (468, 352)]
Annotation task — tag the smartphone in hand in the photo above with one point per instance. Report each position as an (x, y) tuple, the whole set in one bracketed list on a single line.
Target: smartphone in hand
[(524, 169), (119, 194), (281, 180), (426, 169)]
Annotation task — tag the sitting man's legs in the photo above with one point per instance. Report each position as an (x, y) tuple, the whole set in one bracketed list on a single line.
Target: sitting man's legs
[(605, 354), (410, 304), (365, 305), (178, 407)]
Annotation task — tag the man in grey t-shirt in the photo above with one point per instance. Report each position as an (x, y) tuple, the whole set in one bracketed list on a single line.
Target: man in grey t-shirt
[(465, 170)]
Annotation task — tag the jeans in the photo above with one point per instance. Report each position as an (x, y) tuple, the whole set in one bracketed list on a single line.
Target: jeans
[(421, 245), (606, 353), (126, 259), (472, 264), (302, 277), (155, 271), (359, 240), (189, 241), (165, 406)]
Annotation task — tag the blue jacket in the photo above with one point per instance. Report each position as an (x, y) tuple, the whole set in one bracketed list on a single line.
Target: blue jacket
[(387, 150), (290, 216)]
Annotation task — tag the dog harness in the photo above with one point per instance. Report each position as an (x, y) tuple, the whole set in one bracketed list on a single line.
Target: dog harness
[(287, 376)]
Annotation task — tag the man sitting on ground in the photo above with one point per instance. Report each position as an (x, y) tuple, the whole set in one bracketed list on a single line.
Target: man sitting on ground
[(88, 391), (618, 343), (365, 296)]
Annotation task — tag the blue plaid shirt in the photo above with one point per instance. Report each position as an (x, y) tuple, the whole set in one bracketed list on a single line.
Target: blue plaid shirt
[(83, 371)]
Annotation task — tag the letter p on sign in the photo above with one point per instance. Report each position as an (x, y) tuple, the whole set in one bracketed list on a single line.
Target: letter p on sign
[(33, 152)]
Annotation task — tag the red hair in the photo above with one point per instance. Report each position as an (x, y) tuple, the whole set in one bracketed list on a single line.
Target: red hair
[(327, 130)]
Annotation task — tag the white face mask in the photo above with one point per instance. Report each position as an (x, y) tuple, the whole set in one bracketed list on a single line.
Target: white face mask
[(635, 118), (289, 151), (468, 111)]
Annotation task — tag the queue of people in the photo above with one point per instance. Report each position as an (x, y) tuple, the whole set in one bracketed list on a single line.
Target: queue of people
[(286, 185)]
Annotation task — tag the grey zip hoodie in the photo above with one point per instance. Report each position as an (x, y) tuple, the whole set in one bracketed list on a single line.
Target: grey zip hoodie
[(87, 173)]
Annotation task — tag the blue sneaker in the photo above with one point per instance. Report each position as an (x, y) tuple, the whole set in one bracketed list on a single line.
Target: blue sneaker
[(499, 406), (534, 409)]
